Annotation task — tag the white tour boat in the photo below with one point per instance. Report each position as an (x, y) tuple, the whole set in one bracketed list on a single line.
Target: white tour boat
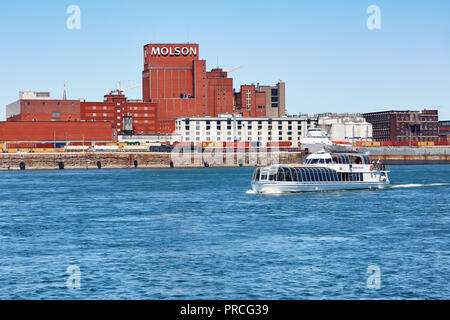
[(322, 171)]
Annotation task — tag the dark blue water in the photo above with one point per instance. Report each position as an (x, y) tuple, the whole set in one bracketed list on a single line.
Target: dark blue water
[(197, 234)]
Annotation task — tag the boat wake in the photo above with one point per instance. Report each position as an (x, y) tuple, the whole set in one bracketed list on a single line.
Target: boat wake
[(415, 185), (398, 186), (274, 192)]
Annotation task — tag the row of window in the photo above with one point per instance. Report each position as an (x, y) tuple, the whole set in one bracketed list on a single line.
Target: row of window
[(308, 175)]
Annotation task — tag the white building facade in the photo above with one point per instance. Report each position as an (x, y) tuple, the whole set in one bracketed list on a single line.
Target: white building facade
[(345, 127), (230, 128)]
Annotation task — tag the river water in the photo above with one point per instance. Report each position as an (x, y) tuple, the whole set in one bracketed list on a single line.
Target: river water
[(200, 234)]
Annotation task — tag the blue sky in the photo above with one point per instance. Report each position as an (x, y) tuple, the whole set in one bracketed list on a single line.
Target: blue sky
[(323, 50)]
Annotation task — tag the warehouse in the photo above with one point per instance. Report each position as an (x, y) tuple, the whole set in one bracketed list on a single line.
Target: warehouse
[(56, 131)]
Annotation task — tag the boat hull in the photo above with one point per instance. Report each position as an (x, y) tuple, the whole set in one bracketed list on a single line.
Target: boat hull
[(290, 187)]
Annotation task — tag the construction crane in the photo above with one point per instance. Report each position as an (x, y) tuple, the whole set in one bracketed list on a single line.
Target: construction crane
[(120, 90), (235, 68)]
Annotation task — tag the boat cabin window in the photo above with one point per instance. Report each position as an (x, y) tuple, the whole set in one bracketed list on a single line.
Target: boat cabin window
[(264, 175), (272, 175), (305, 175), (256, 174), (366, 159)]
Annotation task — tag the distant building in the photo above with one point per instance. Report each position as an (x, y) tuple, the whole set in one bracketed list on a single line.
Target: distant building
[(404, 125), (121, 112), (345, 127), (220, 92), (115, 108), (250, 102), (60, 131), (38, 106), (275, 99), (444, 130), (230, 128), (261, 101)]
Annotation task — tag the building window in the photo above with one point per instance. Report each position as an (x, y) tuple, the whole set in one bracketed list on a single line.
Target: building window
[(249, 99)]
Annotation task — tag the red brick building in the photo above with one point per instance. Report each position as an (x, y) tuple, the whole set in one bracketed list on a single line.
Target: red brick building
[(38, 106), (59, 131), (220, 92), (175, 79), (404, 125), (250, 102), (444, 130), (115, 107), (174, 84)]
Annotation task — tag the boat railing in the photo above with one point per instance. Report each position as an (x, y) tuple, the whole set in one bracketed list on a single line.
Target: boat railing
[(380, 166)]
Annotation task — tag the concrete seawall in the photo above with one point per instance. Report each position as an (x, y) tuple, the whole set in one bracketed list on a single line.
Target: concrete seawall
[(120, 160)]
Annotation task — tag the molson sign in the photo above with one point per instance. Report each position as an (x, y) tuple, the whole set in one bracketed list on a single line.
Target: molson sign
[(172, 51)]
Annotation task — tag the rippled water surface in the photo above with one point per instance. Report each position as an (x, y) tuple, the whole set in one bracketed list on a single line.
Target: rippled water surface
[(198, 234)]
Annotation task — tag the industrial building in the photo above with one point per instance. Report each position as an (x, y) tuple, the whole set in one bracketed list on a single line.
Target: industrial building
[(235, 128), (175, 84), (404, 126), (56, 131), (261, 101), (39, 106), (275, 99), (175, 79), (444, 130), (127, 116), (345, 127)]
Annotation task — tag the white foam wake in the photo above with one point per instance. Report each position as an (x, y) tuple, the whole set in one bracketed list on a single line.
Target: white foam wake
[(414, 185), (266, 192)]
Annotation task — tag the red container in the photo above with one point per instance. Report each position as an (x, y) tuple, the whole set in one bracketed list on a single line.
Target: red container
[(184, 144), (387, 143), (22, 145), (44, 145)]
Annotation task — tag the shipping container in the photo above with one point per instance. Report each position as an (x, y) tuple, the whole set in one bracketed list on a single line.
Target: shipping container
[(20, 145), (184, 144), (278, 144), (207, 144), (341, 142), (136, 148), (80, 143), (98, 148), (44, 150), (44, 145), (60, 144), (71, 148)]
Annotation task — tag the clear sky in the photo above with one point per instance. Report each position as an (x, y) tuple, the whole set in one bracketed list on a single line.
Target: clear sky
[(323, 50)]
